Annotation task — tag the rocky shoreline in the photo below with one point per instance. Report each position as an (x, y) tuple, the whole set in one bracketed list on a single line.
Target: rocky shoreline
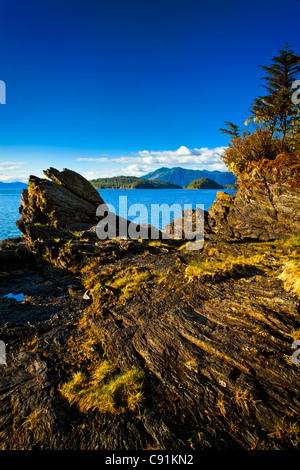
[(142, 344)]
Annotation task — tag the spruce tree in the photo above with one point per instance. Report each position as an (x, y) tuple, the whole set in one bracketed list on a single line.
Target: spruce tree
[(232, 129), (276, 110)]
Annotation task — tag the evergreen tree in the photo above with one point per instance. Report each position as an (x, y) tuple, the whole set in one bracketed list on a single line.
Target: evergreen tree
[(276, 110), (232, 129), (276, 117)]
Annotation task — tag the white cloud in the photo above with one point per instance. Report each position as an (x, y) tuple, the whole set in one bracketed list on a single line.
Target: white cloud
[(8, 166), (145, 160), (203, 158), (135, 170), (93, 159), (12, 171), (103, 173)]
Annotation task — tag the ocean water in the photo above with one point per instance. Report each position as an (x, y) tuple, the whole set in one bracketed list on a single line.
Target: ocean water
[(9, 212), (10, 203)]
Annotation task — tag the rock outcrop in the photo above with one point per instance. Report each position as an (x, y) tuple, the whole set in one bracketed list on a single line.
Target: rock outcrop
[(61, 218), (190, 226), (265, 207), (69, 202)]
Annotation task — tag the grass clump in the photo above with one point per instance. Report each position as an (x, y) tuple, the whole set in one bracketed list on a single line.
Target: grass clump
[(127, 281), (286, 430), (225, 263), (158, 243), (211, 266), (289, 242), (242, 399), (221, 405), (130, 281), (291, 276), (193, 365), (196, 268), (105, 389), (38, 425)]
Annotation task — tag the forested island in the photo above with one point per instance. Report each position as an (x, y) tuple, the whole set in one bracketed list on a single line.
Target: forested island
[(204, 183), (178, 174), (131, 182)]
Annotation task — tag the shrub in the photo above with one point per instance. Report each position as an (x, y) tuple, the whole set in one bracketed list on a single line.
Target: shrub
[(249, 148)]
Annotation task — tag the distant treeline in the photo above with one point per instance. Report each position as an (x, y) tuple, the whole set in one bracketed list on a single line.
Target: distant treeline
[(131, 182), (115, 182)]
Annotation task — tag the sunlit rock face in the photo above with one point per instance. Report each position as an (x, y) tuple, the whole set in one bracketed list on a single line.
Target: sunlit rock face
[(266, 205)]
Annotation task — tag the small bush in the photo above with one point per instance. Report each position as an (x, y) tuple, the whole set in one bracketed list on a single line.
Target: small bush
[(250, 148)]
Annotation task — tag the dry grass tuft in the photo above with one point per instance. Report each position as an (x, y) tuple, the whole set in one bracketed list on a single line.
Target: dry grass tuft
[(291, 276), (38, 424), (243, 399), (221, 404), (105, 390), (286, 430), (289, 242)]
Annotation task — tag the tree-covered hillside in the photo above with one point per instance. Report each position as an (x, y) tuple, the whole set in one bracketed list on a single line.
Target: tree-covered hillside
[(184, 176), (131, 182), (204, 183)]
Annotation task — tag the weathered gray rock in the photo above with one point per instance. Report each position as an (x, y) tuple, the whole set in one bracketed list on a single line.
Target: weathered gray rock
[(188, 227), (265, 207), (75, 183), (58, 217), (49, 203), (63, 219)]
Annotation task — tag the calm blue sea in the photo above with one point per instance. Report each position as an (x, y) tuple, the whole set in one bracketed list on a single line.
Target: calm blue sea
[(10, 202)]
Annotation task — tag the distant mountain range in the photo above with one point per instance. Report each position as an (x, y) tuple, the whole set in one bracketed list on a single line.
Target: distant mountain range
[(166, 178), (183, 177), (14, 185), (163, 178)]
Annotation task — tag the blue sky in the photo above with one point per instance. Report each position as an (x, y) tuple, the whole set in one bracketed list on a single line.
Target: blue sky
[(107, 87)]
